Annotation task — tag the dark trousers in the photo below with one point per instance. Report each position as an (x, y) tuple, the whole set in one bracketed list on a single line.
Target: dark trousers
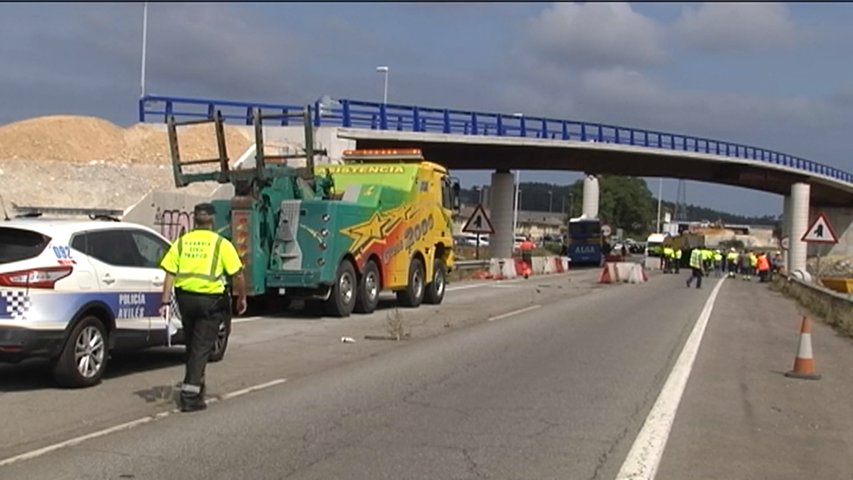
[(697, 274), (201, 315)]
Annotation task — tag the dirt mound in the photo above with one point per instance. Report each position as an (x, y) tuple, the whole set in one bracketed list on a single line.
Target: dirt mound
[(61, 137), (146, 143), (82, 139)]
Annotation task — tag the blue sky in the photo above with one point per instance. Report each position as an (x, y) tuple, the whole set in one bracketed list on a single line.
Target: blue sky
[(764, 74)]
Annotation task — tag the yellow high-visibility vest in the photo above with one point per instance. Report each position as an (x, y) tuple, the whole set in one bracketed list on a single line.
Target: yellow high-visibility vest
[(198, 260)]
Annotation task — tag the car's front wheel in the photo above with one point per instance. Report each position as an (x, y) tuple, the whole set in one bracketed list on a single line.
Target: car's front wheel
[(84, 357)]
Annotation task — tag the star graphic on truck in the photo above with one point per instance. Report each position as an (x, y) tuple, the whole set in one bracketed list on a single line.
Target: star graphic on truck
[(374, 230)]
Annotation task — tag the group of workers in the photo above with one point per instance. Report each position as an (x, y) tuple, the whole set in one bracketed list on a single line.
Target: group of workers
[(746, 264)]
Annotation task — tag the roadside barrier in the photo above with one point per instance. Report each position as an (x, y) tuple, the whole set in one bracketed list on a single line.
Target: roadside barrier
[(619, 272)]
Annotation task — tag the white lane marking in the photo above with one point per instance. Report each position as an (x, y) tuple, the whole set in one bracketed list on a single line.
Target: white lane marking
[(466, 287), (514, 312), (644, 458), (254, 388), (128, 425), (246, 319)]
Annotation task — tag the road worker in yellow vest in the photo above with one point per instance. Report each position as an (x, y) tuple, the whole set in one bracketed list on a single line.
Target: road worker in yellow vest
[(667, 258), (677, 260), (718, 263), (731, 262), (195, 266), (753, 264), (696, 266)]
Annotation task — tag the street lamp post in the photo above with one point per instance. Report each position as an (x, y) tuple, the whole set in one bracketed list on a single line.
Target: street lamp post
[(384, 69), (550, 201), (144, 45), (660, 192)]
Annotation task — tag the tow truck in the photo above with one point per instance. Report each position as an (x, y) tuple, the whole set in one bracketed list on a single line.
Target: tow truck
[(338, 233)]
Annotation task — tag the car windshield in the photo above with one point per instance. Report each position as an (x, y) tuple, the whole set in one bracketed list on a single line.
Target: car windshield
[(17, 244)]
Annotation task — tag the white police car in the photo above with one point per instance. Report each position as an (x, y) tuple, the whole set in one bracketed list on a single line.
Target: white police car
[(74, 290)]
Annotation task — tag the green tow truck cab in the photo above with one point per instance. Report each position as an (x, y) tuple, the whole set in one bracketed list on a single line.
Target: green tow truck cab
[(336, 233)]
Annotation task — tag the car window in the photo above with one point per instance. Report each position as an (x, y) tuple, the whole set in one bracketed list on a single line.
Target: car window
[(114, 247), (17, 244), (150, 247)]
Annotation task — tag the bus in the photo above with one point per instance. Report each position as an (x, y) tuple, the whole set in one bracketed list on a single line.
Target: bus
[(584, 241)]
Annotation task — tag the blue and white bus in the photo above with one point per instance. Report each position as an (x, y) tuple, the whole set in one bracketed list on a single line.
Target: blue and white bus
[(584, 241)]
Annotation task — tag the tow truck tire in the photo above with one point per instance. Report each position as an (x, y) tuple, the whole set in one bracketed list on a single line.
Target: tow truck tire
[(343, 296), (413, 294), (367, 297), (84, 357), (435, 289)]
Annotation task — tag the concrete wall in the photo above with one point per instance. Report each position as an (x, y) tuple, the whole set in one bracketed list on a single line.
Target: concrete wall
[(169, 213)]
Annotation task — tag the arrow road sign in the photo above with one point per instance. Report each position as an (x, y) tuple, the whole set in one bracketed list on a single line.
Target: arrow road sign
[(820, 231), (479, 222)]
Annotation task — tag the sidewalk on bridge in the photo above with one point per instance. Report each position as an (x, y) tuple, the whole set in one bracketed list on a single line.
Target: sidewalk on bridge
[(741, 418)]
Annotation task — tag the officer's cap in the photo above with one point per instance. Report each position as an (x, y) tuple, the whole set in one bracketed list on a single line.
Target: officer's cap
[(203, 209)]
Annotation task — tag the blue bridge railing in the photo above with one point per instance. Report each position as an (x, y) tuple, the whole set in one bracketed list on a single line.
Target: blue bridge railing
[(379, 116)]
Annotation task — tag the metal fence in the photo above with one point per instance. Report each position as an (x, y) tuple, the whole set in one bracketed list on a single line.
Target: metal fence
[(380, 116)]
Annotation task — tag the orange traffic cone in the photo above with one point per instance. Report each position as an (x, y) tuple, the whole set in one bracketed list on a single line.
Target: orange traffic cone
[(804, 362)]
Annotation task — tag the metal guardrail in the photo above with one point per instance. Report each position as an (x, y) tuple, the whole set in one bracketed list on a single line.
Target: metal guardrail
[(471, 264), (817, 288), (381, 116)]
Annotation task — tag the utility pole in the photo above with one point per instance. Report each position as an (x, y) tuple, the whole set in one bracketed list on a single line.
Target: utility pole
[(660, 191), (144, 47)]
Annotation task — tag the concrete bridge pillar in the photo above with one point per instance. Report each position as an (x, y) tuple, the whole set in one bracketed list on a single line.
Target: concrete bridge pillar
[(786, 229), (799, 215), (590, 196), (501, 193)]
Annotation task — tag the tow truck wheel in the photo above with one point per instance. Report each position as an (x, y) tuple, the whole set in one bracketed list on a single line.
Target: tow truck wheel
[(368, 289), (342, 299), (435, 289), (413, 294)]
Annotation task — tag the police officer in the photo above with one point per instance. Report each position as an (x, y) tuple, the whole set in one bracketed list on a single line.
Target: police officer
[(195, 265)]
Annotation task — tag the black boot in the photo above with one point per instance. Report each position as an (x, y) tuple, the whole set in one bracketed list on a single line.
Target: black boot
[(192, 404)]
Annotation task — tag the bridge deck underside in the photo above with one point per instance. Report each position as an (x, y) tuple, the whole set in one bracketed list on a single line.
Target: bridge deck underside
[(596, 160)]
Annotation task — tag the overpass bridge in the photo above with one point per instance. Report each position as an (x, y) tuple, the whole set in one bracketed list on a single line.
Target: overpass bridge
[(462, 139)]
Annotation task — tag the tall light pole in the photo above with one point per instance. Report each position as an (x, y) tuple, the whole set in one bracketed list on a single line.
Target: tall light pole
[(660, 192), (384, 69), (550, 201), (144, 46)]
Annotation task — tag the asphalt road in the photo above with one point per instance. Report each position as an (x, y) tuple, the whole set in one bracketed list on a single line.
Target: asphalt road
[(551, 377), (558, 390), (261, 350)]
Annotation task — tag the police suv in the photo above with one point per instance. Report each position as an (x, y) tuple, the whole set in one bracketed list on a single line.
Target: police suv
[(72, 291)]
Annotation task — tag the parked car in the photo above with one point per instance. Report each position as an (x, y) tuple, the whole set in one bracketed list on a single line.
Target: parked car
[(72, 291)]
